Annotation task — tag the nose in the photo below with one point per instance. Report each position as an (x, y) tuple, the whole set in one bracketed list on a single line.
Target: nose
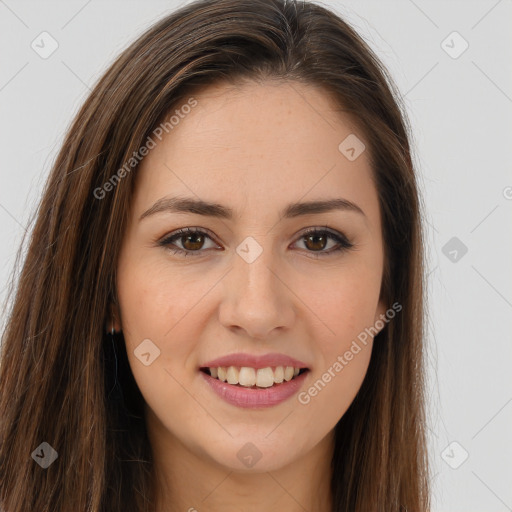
[(256, 298)]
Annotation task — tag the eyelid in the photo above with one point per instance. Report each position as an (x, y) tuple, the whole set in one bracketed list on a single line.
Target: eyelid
[(324, 229)]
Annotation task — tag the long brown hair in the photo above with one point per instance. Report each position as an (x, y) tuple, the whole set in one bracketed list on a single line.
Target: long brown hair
[(61, 381)]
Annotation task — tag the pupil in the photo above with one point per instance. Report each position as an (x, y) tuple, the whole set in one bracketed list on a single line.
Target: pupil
[(195, 245), (315, 238)]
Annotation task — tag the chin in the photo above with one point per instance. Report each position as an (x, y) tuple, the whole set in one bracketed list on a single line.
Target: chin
[(254, 455)]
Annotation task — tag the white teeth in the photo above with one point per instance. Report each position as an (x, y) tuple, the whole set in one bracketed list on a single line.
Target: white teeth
[(279, 374), (232, 375), (249, 377), (221, 373), (264, 377)]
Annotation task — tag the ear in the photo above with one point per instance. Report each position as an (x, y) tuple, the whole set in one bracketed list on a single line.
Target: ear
[(379, 321), (114, 318)]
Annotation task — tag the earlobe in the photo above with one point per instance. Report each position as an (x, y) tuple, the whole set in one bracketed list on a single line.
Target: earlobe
[(380, 320), (114, 318)]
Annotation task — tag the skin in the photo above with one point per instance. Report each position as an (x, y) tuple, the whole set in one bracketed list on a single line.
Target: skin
[(204, 306)]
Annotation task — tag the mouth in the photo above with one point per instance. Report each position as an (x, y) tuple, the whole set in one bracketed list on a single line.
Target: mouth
[(254, 378)]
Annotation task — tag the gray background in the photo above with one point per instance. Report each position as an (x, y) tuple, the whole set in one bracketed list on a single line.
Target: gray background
[(461, 111)]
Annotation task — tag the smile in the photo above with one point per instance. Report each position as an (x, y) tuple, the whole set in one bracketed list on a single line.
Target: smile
[(254, 377), (254, 396)]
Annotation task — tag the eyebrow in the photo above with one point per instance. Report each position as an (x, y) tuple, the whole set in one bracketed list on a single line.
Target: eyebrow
[(199, 207)]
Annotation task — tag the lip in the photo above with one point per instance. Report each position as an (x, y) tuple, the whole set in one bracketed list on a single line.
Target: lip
[(251, 398), (251, 361)]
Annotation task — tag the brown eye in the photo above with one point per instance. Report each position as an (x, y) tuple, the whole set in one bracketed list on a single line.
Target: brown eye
[(316, 242), (192, 242)]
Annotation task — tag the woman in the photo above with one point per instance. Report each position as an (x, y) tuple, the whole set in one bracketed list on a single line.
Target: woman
[(221, 306)]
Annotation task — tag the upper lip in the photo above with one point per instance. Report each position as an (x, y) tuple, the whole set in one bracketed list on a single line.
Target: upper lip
[(251, 361)]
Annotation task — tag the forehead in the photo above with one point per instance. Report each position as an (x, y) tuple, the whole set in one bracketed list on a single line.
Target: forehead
[(272, 142)]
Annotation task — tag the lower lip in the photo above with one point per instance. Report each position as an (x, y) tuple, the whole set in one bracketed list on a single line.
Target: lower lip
[(255, 398)]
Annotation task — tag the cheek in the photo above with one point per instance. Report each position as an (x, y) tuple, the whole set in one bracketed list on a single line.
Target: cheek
[(344, 352), (346, 307), (345, 302), (157, 300), (332, 390), (166, 306)]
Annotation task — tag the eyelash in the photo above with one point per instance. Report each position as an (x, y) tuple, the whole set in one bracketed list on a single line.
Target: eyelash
[(343, 243)]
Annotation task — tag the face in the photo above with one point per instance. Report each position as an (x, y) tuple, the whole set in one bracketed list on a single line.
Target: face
[(252, 277)]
